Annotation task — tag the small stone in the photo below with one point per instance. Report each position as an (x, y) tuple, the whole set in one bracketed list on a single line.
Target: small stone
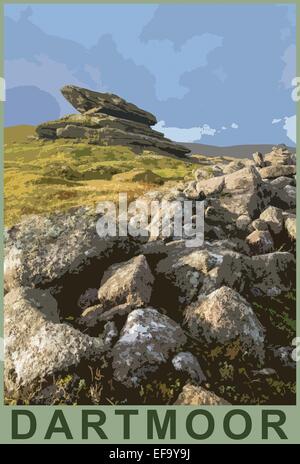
[(260, 242), (274, 218), (291, 226), (243, 222), (259, 224), (258, 159), (199, 396), (186, 362)]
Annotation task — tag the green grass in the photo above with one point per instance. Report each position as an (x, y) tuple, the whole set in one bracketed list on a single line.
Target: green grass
[(45, 176)]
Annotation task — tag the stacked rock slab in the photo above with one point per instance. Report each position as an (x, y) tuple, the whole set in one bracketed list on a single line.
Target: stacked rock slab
[(106, 119)]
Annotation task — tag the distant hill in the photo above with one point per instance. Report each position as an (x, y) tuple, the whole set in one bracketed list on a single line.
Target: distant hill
[(236, 151)]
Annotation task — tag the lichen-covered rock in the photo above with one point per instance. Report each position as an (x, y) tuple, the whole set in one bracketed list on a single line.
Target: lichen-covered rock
[(272, 273), (85, 100), (186, 362), (224, 316), (260, 242), (192, 395), (147, 341), (182, 272), (44, 251), (37, 346), (217, 170)]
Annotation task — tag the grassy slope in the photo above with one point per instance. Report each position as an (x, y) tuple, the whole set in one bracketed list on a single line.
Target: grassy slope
[(45, 176)]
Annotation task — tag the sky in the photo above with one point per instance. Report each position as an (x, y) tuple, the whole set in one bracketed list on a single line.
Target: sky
[(215, 74)]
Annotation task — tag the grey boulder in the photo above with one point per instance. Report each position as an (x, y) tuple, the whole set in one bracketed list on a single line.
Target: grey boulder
[(147, 341), (225, 316)]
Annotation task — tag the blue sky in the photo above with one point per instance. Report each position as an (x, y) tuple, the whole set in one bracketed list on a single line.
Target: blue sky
[(218, 74)]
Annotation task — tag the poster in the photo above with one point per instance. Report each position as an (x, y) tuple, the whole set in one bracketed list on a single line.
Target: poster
[(149, 225)]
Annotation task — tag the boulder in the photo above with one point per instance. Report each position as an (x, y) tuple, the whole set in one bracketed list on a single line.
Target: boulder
[(279, 155), (199, 396), (217, 215), (259, 224), (273, 218), (260, 242), (272, 273), (271, 172), (258, 159), (281, 182), (225, 316), (243, 192), (200, 174), (147, 341), (211, 186), (243, 222), (290, 225), (234, 166), (191, 192), (126, 283), (284, 198), (37, 346), (184, 271), (123, 287), (58, 249), (85, 100)]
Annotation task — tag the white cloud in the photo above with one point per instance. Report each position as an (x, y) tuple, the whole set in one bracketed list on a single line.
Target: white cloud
[(190, 135), (276, 121), (290, 127), (193, 134)]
